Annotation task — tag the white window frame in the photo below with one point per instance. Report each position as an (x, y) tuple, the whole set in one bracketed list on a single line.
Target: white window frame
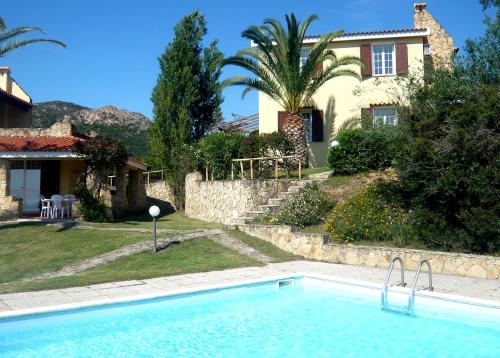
[(384, 73), (383, 121), (304, 55), (307, 123)]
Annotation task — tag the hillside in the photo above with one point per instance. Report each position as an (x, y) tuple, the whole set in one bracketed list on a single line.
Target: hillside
[(128, 127)]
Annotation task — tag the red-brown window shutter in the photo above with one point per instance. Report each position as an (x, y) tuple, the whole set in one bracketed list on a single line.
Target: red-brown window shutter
[(366, 57), (401, 58), (281, 120), (366, 113), (317, 125)]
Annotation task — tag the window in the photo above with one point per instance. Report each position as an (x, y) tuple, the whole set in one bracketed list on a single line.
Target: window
[(383, 60), (385, 116), (307, 116), (304, 55)]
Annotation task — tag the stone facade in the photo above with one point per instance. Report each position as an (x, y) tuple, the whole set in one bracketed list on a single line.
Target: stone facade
[(318, 247), (160, 194), (441, 43), (58, 129), (225, 201), (10, 208)]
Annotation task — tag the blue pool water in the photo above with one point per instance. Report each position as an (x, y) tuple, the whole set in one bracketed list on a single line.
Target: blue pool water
[(256, 321)]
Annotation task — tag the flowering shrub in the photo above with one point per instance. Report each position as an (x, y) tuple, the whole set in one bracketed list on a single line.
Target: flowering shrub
[(370, 216), (308, 206)]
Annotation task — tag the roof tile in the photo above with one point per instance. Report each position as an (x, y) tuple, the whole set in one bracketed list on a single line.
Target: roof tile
[(24, 144)]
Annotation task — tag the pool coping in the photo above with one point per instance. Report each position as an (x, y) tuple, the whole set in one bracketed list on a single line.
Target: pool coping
[(18, 313)]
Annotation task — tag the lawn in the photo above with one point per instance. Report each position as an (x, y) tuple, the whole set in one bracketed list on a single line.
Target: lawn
[(30, 249), (186, 257), (173, 221), (34, 249)]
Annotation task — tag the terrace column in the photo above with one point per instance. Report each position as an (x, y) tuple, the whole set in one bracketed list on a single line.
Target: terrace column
[(119, 198), (136, 191), (10, 208)]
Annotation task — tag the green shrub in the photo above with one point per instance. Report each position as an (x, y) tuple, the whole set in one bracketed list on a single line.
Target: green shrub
[(308, 206), (361, 150), (370, 215), (216, 150), (92, 208)]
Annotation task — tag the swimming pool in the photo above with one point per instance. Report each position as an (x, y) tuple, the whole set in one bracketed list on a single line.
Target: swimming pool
[(312, 316)]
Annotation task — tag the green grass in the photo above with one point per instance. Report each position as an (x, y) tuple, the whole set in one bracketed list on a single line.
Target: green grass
[(336, 180), (34, 249), (187, 257), (263, 246), (174, 221)]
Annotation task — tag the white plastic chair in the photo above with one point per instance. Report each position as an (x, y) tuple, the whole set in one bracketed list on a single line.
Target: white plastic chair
[(45, 211), (57, 208), (70, 200)]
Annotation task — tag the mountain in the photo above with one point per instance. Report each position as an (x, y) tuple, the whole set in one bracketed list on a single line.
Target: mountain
[(128, 127)]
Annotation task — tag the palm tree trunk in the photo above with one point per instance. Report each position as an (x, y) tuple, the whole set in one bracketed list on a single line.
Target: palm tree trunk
[(293, 126)]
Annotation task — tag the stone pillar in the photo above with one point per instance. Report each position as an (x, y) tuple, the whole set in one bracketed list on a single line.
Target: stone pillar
[(119, 199), (442, 47), (10, 208), (136, 191)]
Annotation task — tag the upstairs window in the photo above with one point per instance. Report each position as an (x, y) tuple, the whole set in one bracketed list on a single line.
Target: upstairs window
[(385, 116), (304, 55), (383, 60)]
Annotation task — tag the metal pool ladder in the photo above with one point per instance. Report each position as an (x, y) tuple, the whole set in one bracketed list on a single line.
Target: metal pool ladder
[(411, 297), (386, 282)]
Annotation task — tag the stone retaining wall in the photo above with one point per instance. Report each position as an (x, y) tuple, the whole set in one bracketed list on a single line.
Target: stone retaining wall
[(225, 201), (161, 194), (318, 247)]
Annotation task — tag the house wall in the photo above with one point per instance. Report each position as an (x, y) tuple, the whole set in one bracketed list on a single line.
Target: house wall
[(10, 86), (13, 117), (342, 98), (70, 170)]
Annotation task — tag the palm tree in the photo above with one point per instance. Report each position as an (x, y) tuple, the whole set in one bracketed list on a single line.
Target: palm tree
[(8, 41), (275, 60)]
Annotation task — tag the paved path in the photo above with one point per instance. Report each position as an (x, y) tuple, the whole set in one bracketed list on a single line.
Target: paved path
[(130, 229), (239, 246), (465, 286)]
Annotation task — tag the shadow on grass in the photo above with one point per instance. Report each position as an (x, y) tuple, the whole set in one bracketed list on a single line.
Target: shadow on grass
[(21, 224)]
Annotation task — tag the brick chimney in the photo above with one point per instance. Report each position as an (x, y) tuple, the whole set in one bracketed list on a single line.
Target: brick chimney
[(440, 46)]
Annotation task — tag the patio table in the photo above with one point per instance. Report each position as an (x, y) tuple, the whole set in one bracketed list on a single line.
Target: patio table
[(67, 204)]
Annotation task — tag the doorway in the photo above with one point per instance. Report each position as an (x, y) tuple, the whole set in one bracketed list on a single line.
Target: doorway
[(25, 183)]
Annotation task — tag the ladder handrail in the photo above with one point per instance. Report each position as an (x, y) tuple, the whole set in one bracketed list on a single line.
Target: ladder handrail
[(386, 282), (411, 297)]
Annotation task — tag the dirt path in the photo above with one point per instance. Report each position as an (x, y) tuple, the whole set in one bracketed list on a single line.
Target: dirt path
[(239, 246)]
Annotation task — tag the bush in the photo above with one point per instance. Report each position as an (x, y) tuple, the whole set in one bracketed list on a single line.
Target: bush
[(308, 206), (91, 208), (371, 215), (361, 150), (216, 150)]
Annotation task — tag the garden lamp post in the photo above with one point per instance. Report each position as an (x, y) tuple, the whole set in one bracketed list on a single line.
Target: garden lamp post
[(154, 211)]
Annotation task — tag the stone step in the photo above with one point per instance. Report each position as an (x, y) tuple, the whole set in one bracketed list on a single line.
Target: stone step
[(285, 195), (254, 213), (270, 208), (277, 201)]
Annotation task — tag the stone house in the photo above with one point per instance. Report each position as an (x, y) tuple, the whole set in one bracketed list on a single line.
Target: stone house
[(389, 55), (42, 161)]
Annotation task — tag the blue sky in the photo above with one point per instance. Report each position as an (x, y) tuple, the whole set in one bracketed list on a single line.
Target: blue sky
[(113, 45)]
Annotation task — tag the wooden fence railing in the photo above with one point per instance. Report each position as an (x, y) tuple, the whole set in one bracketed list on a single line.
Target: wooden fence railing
[(252, 160), (153, 176)]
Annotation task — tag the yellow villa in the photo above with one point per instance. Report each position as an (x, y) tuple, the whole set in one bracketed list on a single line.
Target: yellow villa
[(388, 54)]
